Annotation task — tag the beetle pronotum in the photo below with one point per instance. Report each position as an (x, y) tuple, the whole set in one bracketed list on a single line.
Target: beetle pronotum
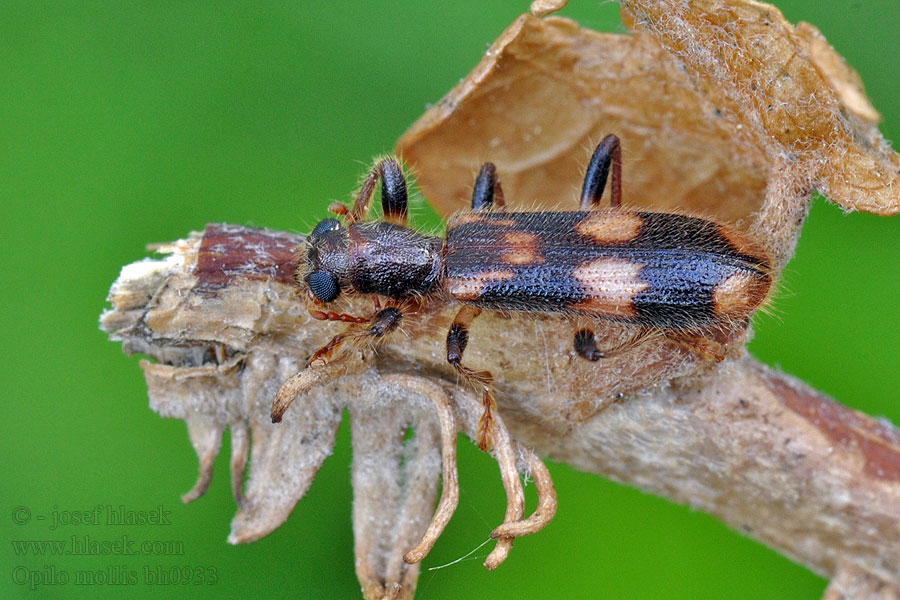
[(662, 272)]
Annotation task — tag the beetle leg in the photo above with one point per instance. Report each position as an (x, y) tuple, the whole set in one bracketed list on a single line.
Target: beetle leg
[(608, 153), (499, 201), (379, 325), (338, 209), (384, 322), (323, 315), (457, 340), (315, 309), (394, 195), (324, 354), (701, 345), (487, 191), (324, 367), (586, 344)]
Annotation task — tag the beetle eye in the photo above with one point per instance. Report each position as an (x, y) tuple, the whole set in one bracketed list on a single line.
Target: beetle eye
[(323, 285), (326, 225)]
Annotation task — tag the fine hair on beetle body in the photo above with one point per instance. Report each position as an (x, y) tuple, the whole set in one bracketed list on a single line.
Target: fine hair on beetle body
[(663, 273)]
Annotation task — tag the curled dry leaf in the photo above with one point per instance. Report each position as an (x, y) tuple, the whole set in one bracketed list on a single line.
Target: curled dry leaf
[(742, 131), (719, 104), (543, 96), (793, 93), (542, 8)]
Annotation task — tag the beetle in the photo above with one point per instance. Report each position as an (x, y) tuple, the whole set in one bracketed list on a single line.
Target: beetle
[(666, 272)]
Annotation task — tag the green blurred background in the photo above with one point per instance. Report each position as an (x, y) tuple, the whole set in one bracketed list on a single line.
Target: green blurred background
[(123, 124)]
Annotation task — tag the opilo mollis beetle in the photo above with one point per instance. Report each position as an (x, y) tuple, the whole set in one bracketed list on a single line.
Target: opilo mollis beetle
[(664, 273)]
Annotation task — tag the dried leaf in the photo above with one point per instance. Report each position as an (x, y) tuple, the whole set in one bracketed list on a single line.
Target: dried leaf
[(705, 97), (789, 89), (547, 91), (542, 8)]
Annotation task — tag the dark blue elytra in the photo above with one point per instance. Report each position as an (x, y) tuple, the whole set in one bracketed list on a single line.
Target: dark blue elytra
[(323, 285)]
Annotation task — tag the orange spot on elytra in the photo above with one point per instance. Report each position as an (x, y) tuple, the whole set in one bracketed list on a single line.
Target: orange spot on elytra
[(470, 288), (611, 285), (610, 227), (521, 248), (738, 295), (465, 218)]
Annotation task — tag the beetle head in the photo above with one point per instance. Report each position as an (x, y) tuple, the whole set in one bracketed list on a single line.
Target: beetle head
[(326, 260)]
